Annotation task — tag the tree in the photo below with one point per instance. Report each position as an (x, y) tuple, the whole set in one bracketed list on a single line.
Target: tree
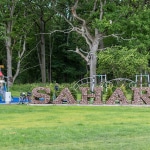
[(119, 62), (16, 28), (138, 28), (92, 36), (42, 14), (98, 21), (8, 24), (85, 28)]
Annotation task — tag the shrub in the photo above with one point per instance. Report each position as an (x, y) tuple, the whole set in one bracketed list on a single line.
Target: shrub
[(109, 92), (123, 88)]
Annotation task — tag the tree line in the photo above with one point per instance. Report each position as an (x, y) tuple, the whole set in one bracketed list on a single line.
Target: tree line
[(65, 40)]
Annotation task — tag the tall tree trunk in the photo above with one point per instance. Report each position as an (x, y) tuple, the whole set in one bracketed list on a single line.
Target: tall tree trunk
[(8, 44), (93, 59), (8, 41), (43, 66), (9, 61), (50, 58)]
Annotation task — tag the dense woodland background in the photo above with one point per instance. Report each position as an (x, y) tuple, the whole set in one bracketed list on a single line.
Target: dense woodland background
[(66, 40)]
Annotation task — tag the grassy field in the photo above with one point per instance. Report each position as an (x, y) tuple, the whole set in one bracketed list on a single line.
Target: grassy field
[(24, 127)]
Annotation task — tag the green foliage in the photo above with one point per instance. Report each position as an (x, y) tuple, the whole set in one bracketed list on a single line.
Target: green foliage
[(102, 25), (109, 92), (138, 28), (122, 62), (79, 96), (123, 88), (127, 21), (2, 31), (16, 89)]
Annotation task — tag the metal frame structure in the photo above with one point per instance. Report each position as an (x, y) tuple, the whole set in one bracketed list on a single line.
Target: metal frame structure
[(101, 80)]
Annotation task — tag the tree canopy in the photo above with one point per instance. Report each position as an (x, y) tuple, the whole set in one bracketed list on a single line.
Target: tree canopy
[(64, 41), (122, 62)]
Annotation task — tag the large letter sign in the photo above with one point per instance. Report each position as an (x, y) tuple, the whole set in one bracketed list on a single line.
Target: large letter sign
[(139, 97), (117, 95), (65, 95), (41, 95), (96, 95), (40, 98)]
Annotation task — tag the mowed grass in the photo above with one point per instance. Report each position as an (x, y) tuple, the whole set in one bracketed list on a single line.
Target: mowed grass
[(25, 127)]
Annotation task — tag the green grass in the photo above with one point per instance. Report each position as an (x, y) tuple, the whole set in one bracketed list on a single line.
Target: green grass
[(24, 127)]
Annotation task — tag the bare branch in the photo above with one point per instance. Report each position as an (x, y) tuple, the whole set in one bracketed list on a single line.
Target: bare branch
[(84, 30), (64, 31), (20, 55), (127, 39), (113, 35), (101, 49), (94, 7), (29, 68), (75, 13), (78, 52), (30, 51), (101, 10), (83, 51)]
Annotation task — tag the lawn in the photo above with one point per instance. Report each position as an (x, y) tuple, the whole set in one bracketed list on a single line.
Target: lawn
[(25, 127)]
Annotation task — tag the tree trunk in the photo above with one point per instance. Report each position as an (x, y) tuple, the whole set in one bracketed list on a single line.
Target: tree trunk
[(42, 66), (8, 42), (93, 62), (50, 58), (9, 54)]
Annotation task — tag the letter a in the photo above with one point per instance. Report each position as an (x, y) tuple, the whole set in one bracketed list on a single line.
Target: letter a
[(117, 95), (65, 94)]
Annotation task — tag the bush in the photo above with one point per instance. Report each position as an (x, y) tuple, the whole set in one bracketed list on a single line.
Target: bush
[(109, 92), (123, 88)]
